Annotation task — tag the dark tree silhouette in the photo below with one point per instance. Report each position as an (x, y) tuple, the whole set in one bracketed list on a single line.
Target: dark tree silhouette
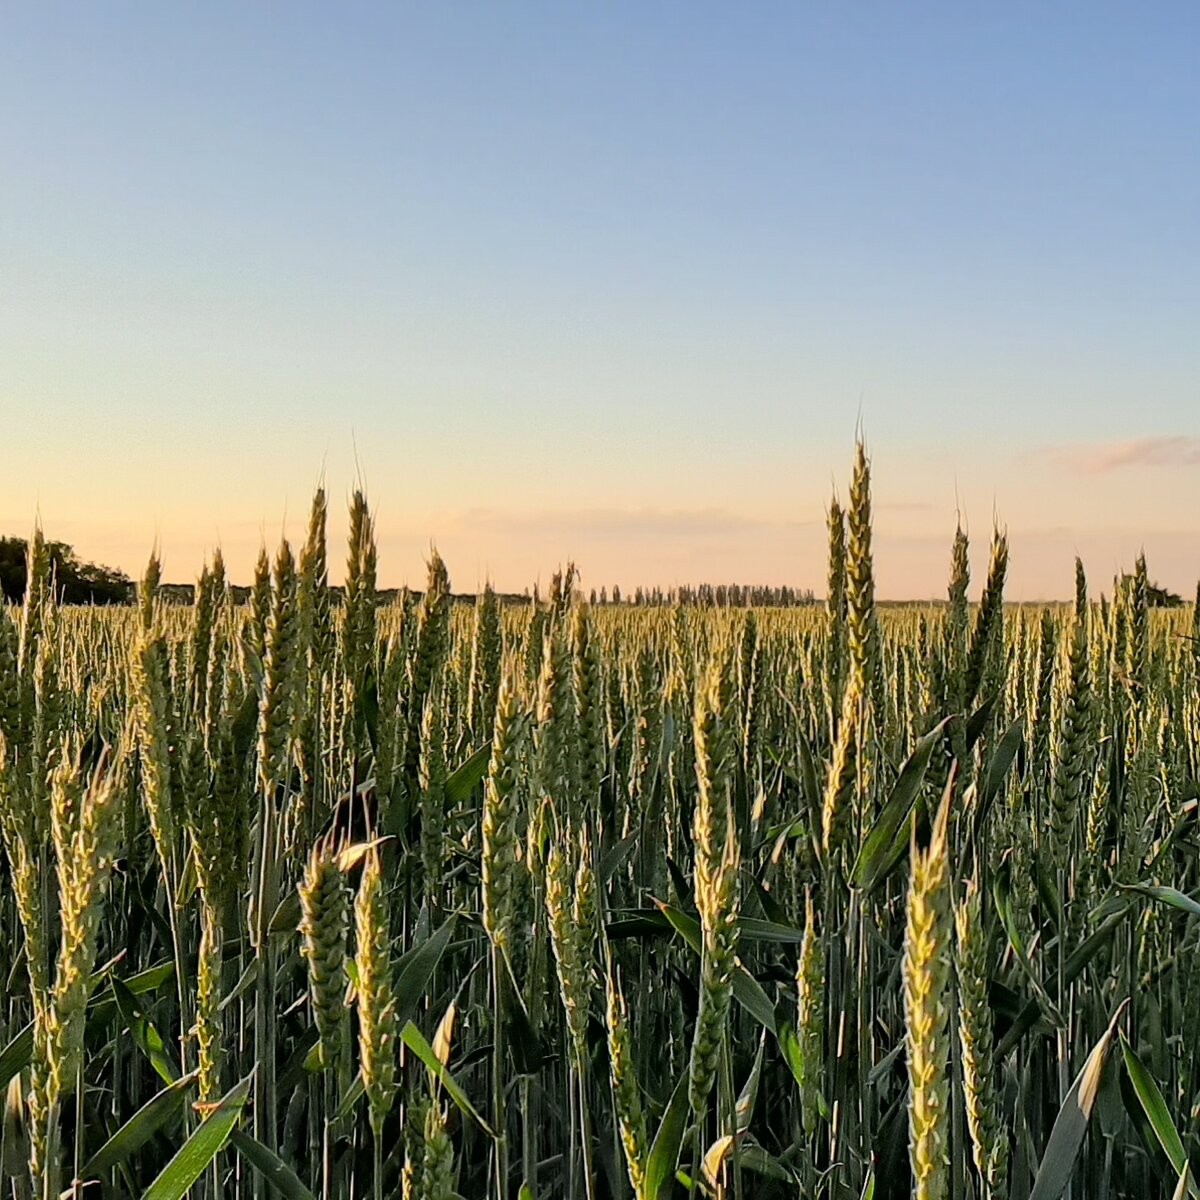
[(75, 581)]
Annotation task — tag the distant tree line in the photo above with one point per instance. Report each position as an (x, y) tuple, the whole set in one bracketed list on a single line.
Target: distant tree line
[(708, 595), (185, 593), (1159, 597), (1156, 596), (80, 582), (75, 581)]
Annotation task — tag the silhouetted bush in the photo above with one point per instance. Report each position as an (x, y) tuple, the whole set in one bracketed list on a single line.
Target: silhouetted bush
[(75, 582)]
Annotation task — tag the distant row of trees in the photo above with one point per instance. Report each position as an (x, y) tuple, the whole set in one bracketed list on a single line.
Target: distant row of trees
[(80, 582), (75, 581), (1159, 597), (708, 595)]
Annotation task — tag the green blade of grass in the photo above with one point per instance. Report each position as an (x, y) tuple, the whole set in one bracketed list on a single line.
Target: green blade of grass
[(270, 1166), (193, 1157), (1155, 1107), (1071, 1124), (664, 1150), (157, 1112)]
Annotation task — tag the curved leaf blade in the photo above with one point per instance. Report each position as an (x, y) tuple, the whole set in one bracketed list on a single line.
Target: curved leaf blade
[(414, 1039), (415, 969), (467, 776), (270, 1166), (193, 1157), (1155, 1107), (747, 991), (16, 1056), (889, 826), (664, 1150), (1071, 1124), (157, 1112), (997, 770), (1169, 896)]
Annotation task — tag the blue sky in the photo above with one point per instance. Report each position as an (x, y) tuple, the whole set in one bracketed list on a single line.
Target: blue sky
[(615, 282)]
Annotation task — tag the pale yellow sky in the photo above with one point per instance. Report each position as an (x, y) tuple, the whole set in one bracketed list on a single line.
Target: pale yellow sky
[(744, 524)]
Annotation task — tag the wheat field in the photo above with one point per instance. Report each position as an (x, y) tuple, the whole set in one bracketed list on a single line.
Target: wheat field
[(314, 896)]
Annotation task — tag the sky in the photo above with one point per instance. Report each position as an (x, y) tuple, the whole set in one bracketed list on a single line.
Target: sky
[(617, 283)]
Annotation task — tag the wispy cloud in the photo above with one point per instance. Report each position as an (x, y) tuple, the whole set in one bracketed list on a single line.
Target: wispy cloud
[(1178, 450)]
